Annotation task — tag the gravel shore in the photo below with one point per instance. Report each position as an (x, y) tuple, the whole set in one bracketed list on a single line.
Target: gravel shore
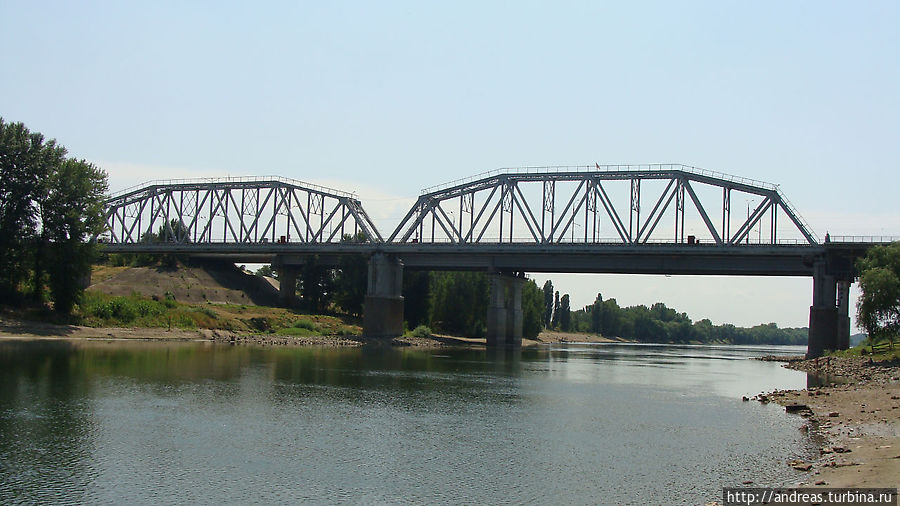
[(853, 406)]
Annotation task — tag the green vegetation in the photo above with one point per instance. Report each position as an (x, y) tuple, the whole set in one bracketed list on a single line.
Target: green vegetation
[(878, 308), (100, 310), (50, 208), (881, 351), (661, 324), (420, 331)]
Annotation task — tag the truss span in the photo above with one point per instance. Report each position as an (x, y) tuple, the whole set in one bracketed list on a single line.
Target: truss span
[(236, 210), (623, 204)]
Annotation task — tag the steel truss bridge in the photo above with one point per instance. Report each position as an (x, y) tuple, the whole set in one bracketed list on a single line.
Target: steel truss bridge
[(650, 219), (567, 219)]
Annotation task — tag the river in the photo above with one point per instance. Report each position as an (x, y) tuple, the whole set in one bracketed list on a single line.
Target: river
[(159, 423)]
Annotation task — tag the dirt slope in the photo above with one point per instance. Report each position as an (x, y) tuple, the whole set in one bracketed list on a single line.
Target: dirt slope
[(219, 283)]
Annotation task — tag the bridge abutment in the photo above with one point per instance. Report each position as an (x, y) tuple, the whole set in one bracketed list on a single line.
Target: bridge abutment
[(383, 310), (504, 317)]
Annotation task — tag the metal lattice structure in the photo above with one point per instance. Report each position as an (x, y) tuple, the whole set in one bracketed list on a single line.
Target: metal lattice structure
[(235, 210), (547, 205)]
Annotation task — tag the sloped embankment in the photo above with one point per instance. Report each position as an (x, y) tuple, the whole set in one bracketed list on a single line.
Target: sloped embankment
[(215, 282)]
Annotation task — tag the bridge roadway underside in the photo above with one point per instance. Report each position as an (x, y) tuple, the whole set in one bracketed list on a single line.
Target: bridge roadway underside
[(829, 266), (742, 260)]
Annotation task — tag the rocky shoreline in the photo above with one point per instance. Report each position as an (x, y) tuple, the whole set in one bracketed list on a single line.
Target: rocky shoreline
[(853, 408)]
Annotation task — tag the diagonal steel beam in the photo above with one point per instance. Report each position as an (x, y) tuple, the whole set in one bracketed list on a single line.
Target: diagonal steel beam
[(650, 217), (699, 206), (611, 212)]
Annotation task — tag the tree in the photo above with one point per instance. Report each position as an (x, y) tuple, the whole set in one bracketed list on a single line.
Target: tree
[(554, 323), (597, 315), (878, 307), (72, 214), (458, 302), (548, 303), (351, 279), (267, 271), (416, 297), (26, 161), (533, 309), (316, 283), (565, 317)]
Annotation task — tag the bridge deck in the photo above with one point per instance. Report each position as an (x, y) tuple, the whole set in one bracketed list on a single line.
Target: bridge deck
[(750, 260)]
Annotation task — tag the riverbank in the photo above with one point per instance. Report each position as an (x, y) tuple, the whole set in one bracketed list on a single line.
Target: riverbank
[(29, 330), (855, 414), (14, 328)]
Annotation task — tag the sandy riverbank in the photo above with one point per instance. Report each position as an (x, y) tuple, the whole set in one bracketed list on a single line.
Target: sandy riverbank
[(857, 416), (15, 329), (18, 329)]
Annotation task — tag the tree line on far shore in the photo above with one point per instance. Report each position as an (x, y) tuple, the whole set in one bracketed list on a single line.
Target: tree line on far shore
[(456, 302), (51, 206)]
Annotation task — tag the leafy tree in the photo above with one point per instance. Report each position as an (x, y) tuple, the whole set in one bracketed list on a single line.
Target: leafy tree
[(533, 309), (878, 307), (548, 303), (416, 297), (72, 213), (351, 279), (316, 284), (267, 271), (26, 161), (459, 301)]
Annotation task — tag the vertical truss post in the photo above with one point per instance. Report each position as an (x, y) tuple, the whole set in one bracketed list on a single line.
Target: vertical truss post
[(679, 211), (548, 204), (634, 215), (774, 224), (726, 212)]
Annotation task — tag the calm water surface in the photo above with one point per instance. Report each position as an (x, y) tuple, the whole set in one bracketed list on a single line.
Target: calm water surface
[(158, 423)]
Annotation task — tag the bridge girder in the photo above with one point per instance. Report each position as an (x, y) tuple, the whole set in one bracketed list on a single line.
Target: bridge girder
[(496, 204)]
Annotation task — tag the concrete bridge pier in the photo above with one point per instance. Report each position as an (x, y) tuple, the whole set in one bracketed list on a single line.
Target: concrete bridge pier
[(843, 307), (829, 315), (383, 310), (504, 317)]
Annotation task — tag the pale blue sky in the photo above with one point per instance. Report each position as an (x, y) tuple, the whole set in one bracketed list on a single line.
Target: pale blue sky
[(386, 98)]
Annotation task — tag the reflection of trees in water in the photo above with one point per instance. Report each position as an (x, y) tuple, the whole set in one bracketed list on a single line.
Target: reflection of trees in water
[(46, 436)]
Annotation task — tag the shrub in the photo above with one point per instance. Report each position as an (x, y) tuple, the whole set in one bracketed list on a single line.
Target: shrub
[(421, 331), (306, 324)]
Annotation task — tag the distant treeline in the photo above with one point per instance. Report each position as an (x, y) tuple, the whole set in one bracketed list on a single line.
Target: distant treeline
[(659, 323)]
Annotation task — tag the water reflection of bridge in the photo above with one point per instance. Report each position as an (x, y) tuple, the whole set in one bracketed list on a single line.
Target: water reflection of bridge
[(559, 219)]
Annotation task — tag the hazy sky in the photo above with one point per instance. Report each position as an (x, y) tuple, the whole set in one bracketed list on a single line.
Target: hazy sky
[(385, 98)]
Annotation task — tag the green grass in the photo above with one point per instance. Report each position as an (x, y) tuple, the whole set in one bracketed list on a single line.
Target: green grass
[(297, 332), (882, 351), (101, 310)]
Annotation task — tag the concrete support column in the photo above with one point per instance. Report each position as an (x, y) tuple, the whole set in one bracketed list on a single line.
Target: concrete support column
[(383, 310), (496, 312), (823, 314), (287, 281), (504, 316), (843, 314)]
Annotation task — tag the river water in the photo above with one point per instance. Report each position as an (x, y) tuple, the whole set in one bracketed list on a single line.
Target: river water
[(161, 423)]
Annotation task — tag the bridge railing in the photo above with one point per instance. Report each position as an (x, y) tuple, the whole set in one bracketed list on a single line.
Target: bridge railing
[(863, 239)]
